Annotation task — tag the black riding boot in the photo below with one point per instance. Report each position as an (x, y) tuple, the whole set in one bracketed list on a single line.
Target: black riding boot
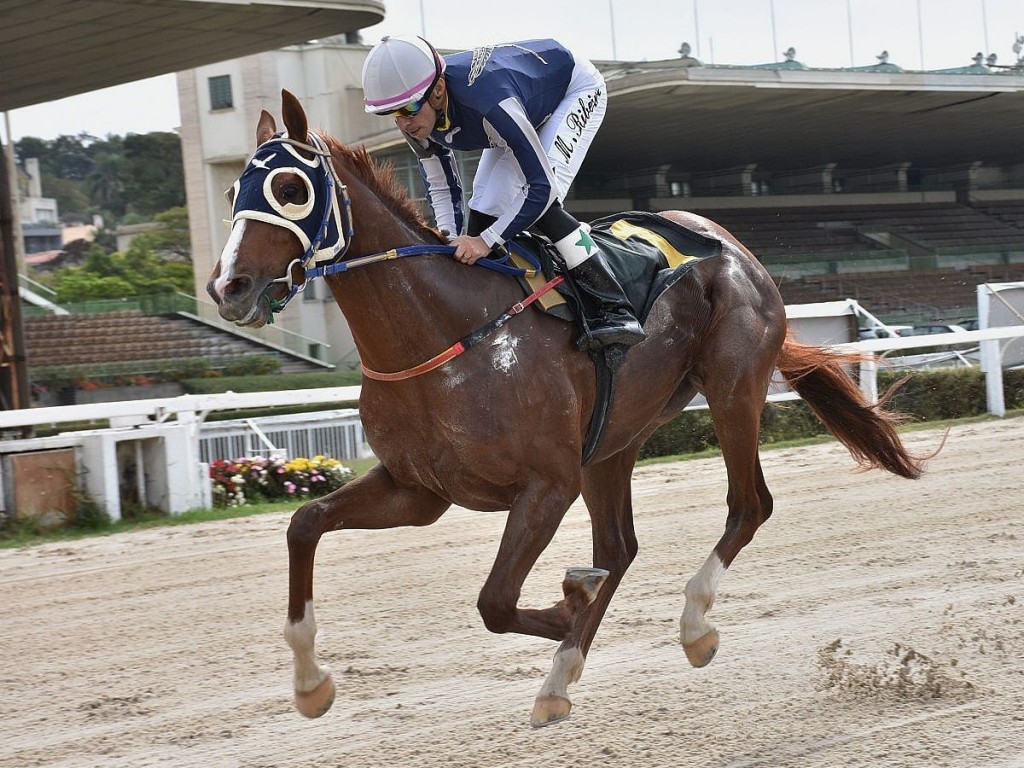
[(608, 312), (609, 315)]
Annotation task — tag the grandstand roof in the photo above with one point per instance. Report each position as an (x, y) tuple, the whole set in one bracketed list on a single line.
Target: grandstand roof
[(714, 117), (50, 49)]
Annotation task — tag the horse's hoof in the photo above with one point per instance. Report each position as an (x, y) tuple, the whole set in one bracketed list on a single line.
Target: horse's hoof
[(703, 650), (314, 703), (549, 709), (586, 580)]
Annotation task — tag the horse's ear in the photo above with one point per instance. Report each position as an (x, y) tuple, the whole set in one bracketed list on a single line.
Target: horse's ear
[(266, 127), (294, 116)]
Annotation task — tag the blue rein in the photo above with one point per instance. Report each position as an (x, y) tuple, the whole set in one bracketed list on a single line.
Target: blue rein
[(500, 263)]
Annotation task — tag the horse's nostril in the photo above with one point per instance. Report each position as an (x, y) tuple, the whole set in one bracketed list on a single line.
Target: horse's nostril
[(236, 285)]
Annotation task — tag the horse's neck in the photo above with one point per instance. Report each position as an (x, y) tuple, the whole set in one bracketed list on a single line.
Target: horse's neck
[(406, 310)]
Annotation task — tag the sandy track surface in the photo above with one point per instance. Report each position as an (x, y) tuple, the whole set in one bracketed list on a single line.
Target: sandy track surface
[(873, 622)]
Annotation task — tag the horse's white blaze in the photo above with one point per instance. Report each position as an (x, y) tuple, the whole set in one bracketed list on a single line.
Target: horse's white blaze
[(228, 257), (301, 636), (700, 596), (566, 669)]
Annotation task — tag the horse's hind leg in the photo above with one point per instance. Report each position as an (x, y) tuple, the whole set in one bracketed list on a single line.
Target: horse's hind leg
[(606, 491), (735, 387), (371, 501)]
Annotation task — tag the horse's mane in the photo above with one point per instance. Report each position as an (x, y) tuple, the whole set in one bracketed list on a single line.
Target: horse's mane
[(380, 179)]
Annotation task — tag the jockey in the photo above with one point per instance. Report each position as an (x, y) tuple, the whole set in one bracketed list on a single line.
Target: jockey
[(533, 108)]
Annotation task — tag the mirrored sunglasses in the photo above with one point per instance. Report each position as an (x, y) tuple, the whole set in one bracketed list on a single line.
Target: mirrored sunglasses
[(409, 110)]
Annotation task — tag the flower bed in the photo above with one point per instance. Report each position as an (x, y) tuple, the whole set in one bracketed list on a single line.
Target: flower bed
[(257, 479)]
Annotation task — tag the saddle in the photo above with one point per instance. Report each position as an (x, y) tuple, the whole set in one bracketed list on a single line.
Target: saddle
[(646, 252)]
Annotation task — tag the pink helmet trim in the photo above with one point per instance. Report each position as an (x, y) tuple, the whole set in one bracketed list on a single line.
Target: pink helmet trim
[(405, 96)]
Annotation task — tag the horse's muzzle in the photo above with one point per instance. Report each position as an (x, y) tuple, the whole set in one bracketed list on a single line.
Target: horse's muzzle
[(241, 302)]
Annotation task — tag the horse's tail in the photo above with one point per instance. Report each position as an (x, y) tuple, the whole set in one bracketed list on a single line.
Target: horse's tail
[(868, 431)]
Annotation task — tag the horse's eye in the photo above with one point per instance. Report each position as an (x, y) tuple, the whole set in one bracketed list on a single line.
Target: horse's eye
[(293, 193)]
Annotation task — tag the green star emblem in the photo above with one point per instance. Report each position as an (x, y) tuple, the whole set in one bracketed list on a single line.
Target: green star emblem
[(585, 241)]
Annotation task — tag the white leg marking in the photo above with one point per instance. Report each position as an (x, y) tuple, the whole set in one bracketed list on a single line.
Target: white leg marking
[(301, 636), (228, 257), (700, 596), (566, 669)]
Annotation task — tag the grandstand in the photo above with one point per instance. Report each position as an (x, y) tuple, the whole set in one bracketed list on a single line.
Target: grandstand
[(65, 351), (838, 179), (902, 190), (905, 262)]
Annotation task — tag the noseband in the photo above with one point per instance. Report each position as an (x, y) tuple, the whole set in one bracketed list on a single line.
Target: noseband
[(323, 224)]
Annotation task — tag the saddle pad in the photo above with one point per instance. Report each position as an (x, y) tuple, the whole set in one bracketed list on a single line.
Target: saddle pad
[(646, 252)]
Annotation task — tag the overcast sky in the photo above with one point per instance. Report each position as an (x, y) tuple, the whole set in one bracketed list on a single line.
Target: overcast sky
[(918, 34)]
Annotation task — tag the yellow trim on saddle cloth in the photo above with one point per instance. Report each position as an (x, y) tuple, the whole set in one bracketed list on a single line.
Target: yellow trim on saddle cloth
[(536, 281), (623, 230)]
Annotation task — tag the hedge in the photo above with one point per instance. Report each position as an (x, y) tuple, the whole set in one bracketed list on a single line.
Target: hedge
[(925, 396)]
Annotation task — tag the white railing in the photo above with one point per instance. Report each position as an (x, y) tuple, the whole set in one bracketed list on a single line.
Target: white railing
[(181, 483), (991, 358), (336, 433), (129, 413)]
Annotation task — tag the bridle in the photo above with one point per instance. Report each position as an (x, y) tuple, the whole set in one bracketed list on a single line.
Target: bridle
[(323, 224), (329, 207)]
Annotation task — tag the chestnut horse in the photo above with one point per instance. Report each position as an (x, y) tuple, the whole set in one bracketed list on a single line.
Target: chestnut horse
[(502, 427)]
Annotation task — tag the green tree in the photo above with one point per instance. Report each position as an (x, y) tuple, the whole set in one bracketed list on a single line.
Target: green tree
[(172, 240), (153, 172), (104, 183), (70, 157), (140, 173), (68, 194), (78, 285), (155, 262), (31, 146)]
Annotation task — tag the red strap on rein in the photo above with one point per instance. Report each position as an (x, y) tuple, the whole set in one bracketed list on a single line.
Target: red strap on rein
[(463, 344)]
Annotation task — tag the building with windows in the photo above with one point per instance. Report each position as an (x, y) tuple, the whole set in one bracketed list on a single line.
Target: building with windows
[(40, 227)]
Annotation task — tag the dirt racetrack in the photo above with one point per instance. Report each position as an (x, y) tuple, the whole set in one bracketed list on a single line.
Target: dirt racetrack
[(872, 622)]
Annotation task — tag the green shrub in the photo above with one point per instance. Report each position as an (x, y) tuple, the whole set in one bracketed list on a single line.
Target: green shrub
[(951, 394), (926, 396), (273, 383), (89, 515)]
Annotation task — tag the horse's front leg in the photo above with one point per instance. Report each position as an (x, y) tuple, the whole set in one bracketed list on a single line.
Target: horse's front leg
[(532, 521), (372, 501), (606, 490)]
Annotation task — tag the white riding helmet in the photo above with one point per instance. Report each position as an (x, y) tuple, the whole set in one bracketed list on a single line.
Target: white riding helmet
[(399, 70)]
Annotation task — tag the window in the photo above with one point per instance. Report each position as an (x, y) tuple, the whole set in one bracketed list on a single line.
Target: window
[(220, 92)]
